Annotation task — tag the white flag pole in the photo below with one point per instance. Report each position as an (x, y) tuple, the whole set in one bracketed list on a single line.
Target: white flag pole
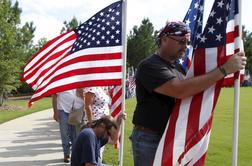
[(124, 43), (237, 99)]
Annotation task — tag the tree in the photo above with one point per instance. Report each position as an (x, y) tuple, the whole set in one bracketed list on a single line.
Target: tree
[(15, 42), (69, 25), (141, 42), (247, 38)]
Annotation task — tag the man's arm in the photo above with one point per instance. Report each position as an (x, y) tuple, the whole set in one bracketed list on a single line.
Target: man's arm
[(54, 105), (89, 100), (188, 87), (115, 135)]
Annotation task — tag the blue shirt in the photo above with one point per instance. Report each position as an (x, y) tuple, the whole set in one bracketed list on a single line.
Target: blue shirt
[(86, 148)]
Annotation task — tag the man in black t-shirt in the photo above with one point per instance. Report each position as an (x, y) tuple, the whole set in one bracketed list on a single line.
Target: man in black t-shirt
[(159, 81)]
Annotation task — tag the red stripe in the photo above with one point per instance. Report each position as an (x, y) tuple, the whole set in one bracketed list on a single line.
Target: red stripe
[(29, 76), (230, 36), (167, 154), (108, 82), (201, 161), (72, 37), (67, 74), (85, 58), (117, 110), (117, 95)]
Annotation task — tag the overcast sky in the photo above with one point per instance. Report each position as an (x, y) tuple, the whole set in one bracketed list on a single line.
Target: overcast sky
[(49, 15)]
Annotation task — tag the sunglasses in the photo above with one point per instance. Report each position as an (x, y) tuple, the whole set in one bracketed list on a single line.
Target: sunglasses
[(181, 42)]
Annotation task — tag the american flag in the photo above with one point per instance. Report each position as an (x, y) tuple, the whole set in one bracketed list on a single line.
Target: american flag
[(187, 134), (194, 19), (89, 55)]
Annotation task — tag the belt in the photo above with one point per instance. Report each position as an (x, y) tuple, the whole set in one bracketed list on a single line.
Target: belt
[(146, 129)]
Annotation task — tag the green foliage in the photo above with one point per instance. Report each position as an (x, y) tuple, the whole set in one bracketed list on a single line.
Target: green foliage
[(247, 38), (15, 44), (141, 43), (69, 25)]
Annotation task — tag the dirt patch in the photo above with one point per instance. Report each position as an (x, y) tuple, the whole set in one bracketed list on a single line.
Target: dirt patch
[(5, 107)]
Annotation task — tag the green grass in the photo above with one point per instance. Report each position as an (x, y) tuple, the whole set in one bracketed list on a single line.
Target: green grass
[(42, 104), (220, 147)]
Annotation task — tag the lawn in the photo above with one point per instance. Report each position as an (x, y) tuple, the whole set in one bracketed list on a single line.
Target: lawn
[(220, 148), (42, 104)]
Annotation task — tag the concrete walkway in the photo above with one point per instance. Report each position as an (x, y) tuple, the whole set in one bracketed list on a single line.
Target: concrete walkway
[(32, 140)]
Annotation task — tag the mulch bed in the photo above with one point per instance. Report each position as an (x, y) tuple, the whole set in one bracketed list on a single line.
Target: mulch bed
[(6, 107)]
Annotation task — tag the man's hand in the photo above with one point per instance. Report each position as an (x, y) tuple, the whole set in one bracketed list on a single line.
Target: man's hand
[(235, 63), (56, 116)]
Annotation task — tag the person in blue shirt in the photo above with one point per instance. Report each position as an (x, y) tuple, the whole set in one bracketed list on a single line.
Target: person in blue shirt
[(86, 149)]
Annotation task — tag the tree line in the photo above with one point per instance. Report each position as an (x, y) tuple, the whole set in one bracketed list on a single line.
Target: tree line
[(17, 46)]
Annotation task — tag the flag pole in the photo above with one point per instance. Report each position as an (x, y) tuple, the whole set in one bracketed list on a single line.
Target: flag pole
[(237, 99), (124, 43)]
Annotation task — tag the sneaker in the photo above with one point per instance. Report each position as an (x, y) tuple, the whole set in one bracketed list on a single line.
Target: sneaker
[(66, 158)]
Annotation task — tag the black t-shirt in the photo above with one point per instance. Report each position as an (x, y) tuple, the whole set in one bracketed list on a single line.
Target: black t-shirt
[(153, 109)]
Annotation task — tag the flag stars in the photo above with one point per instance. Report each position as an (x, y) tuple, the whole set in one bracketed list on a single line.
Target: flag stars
[(218, 37), (211, 30), (228, 6), (103, 28), (117, 13), (198, 36), (112, 18), (113, 27), (98, 33), (117, 41), (212, 13), (90, 22), (219, 20), (117, 32), (112, 36), (220, 4), (93, 38), (108, 32), (117, 22), (188, 21), (196, 5), (203, 39), (107, 23), (101, 14), (98, 42), (201, 8), (107, 41)]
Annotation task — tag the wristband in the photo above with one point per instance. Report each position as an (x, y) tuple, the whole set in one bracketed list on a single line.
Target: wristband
[(223, 71)]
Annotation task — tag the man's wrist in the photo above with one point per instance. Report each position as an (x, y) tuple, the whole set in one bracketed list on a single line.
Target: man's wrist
[(223, 71)]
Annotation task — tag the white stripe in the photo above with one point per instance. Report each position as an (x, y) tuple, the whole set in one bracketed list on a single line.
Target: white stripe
[(70, 57), (181, 128), (82, 65), (79, 78), (208, 96), (117, 103), (39, 56), (197, 151), (50, 63), (206, 106)]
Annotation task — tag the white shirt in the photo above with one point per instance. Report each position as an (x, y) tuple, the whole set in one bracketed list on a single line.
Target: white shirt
[(67, 100)]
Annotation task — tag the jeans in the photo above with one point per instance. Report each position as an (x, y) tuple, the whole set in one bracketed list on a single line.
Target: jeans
[(144, 146), (67, 132)]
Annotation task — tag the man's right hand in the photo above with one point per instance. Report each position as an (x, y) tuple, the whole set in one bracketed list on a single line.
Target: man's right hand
[(235, 63), (56, 116)]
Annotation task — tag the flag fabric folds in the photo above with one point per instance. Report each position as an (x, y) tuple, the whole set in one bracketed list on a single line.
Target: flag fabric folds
[(187, 134), (89, 55), (194, 19)]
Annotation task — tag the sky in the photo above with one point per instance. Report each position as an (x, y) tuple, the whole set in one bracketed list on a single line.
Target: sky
[(48, 15)]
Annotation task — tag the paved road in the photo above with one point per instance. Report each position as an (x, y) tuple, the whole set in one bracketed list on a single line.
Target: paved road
[(32, 140)]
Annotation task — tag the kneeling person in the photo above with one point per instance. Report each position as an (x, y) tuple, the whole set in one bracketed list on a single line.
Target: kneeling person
[(86, 149)]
